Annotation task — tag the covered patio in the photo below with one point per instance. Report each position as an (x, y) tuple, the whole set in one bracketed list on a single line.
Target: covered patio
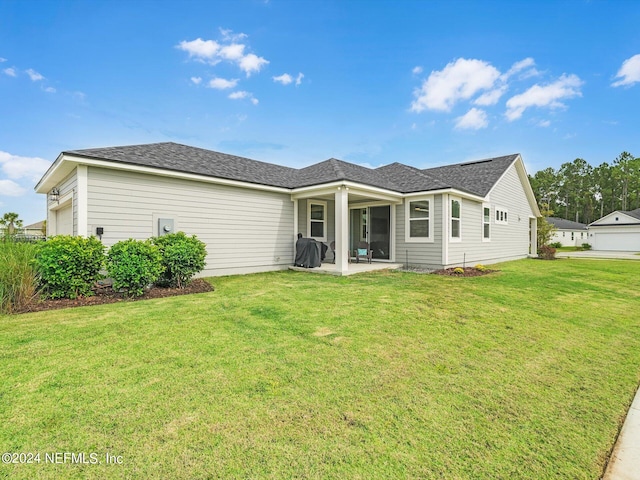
[(348, 213)]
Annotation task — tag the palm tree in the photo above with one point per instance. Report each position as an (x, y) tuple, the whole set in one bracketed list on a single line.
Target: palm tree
[(11, 221)]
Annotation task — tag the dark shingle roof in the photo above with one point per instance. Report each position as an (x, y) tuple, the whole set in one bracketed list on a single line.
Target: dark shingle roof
[(182, 158), (563, 224), (474, 177), (634, 213)]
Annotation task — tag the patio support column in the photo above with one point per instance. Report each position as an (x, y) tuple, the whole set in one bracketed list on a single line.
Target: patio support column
[(295, 227), (342, 229)]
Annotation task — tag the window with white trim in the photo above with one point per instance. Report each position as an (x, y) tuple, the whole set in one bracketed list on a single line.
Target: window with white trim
[(418, 215), (486, 223), (317, 220), (502, 216), (456, 215)]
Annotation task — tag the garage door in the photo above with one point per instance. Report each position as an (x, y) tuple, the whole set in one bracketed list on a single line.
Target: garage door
[(621, 241), (64, 221)]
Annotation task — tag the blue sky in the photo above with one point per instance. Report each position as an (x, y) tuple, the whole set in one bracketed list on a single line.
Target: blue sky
[(425, 83)]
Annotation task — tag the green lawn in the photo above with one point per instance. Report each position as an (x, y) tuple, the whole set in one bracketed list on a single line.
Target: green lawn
[(526, 373)]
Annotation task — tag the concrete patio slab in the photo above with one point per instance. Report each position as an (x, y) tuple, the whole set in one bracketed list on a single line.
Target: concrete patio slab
[(330, 268)]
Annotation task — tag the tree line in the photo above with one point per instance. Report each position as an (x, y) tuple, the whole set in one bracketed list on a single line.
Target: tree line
[(582, 193)]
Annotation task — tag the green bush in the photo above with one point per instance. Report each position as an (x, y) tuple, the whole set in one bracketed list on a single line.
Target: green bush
[(555, 244), (133, 265), (586, 246), (480, 267), (69, 266), (18, 277), (182, 258)]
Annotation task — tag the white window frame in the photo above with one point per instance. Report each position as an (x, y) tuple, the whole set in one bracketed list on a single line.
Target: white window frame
[(407, 230), (485, 222), (323, 204), (502, 216), (451, 219)]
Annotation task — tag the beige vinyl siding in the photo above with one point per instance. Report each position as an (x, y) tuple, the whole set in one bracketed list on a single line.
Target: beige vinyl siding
[(510, 241), (68, 185), (422, 255), (245, 230)]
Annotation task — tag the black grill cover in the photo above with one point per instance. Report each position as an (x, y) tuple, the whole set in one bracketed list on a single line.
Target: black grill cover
[(307, 253)]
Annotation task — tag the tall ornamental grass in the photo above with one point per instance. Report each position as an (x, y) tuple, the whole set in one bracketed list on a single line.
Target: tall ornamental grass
[(18, 277)]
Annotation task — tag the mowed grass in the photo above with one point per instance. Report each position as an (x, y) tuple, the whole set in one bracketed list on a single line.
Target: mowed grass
[(526, 373)]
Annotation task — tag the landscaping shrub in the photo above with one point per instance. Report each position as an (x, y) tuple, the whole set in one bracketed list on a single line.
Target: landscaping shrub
[(555, 244), (480, 267), (69, 266), (133, 265), (182, 258), (18, 277), (586, 246), (547, 252), (458, 270)]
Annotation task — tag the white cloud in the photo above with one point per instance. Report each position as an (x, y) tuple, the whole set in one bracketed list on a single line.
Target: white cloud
[(544, 123), (550, 96), (241, 94), (251, 63), (222, 83), (474, 119), (11, 188), (34, 76), (196, 80), (2, 60), (213, 52), (491, 97), (10, 71), (417, 70), (459, 80), (201, 49), (50, 90), (16, 167), (629, 73), (519, 66), (235, 51), (284, 79), (229, 36)]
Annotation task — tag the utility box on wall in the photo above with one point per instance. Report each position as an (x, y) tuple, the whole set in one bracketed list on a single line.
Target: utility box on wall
[(165, 226)]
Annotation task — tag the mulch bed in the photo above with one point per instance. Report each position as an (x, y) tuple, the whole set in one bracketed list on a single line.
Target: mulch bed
[(468, 272), (108, 295)]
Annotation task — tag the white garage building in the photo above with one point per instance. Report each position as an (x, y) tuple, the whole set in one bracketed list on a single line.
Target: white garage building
[(619, 231)]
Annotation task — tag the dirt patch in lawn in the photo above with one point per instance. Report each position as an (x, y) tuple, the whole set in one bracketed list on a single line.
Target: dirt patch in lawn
[(108, 295), (468, 272)]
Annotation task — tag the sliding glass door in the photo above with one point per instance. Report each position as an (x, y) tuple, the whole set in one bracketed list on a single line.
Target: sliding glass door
[(371, 225)]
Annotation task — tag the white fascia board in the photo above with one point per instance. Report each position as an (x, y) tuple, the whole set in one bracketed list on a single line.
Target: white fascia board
[(628, 219), (453, 191), (352, 187), (72, 160), (47, 181)]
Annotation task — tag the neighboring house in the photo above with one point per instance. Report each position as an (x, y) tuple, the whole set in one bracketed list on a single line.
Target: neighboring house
[(35, 229), (568, 233), (619, 230), (248, 212)]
